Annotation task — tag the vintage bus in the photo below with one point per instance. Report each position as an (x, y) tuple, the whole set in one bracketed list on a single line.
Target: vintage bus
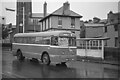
[(50, 46)]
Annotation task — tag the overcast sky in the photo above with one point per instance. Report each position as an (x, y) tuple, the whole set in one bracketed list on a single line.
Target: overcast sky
[(93, 8)]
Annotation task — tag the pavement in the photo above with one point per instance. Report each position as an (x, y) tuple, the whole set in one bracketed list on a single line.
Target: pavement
[(97, 60)]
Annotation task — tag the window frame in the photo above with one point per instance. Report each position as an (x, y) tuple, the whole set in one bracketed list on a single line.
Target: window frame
[(116, 41), (116, 27), (59, 21), (105, 29), (72, 22)]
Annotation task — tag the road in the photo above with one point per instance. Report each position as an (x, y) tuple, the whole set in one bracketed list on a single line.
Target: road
[(12, 68)]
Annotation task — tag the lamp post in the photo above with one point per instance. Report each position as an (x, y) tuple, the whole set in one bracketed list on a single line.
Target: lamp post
[(23, 18), (23, 8)]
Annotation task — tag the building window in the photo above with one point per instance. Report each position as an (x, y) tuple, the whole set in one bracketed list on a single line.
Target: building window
[(111, 20), (73, 22), (116, 41), (31, 21), (116, 27), (59, 21), (105, 28)]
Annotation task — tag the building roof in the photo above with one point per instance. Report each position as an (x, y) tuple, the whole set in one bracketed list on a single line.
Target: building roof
[(102, 38), (95, 25), (103, 21), (59, 12)]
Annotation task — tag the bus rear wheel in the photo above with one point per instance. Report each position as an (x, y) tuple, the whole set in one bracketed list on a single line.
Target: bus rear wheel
[(20, 56), (45, 59)]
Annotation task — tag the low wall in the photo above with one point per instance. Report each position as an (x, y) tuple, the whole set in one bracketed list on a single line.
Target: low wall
[(6, 46), (110, 53)]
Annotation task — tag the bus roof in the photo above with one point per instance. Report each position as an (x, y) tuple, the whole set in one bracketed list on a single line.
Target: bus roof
[(104, 38), (47, 33)]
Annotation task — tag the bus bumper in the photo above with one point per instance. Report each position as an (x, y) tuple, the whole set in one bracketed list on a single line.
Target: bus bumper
[(67, 59), (62, 58)]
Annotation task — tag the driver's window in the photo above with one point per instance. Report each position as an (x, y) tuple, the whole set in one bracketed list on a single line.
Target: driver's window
[(54, 41)]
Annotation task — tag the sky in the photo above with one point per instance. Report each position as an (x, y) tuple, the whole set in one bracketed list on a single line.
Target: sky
[(93, 8)]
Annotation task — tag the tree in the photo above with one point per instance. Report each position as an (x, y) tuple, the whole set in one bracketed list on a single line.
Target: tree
[(4, 32)]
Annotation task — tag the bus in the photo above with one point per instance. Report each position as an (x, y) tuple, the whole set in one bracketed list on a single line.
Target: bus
[(49, 46)]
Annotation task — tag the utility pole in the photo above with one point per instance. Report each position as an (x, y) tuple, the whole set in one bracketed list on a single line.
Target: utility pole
[(23, 18)]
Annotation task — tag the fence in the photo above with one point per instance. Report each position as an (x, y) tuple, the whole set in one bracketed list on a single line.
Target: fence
[(112, 53), (6, 46)]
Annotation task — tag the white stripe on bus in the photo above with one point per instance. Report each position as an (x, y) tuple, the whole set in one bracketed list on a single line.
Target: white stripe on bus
[(44, 45), (62, 47), (30, 44)]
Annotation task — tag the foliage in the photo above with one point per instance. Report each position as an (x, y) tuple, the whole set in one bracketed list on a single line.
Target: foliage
[(4, 32)]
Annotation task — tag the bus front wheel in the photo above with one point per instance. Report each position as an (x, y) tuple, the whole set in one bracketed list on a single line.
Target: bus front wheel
[(19, 55), (45, 59)]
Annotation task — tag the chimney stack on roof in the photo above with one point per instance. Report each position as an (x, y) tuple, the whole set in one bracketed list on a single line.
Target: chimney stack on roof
[(45, 9), (66, 8)]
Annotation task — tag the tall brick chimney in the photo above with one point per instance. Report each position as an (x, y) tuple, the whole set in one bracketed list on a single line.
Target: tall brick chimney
[(45, 9), (66, 8)]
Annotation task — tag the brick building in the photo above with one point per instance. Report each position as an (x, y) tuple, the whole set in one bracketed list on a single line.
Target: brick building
[(112, 29), (93, 28), (27, 4)]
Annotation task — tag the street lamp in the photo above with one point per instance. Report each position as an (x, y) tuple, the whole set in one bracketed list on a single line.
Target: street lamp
[(23, 22), (23, 18)]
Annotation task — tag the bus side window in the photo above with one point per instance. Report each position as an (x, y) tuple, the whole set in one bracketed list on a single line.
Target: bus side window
[(29, 40), (15, 39), (47, 41)]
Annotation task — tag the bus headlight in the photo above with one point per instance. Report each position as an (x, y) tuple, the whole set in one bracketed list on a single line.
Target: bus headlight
[(67, 59), (72, 59)]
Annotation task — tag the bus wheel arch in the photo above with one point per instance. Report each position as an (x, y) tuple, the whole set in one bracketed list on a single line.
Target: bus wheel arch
[(20, 55), (45, 58)]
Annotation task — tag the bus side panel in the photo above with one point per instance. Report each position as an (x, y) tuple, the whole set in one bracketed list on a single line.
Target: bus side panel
[(35, 51), (31, 51)]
